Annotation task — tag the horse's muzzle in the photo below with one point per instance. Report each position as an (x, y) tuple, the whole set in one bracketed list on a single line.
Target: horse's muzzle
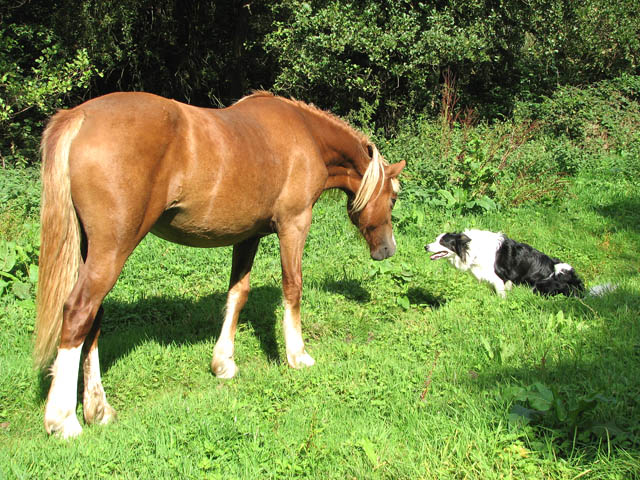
[(384, 251)]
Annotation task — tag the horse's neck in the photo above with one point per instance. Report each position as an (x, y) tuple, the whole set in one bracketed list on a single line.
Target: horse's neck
[(339, 145), (342, 152)]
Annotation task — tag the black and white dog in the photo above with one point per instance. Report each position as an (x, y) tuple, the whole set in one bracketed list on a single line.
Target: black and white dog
[(497, 259)]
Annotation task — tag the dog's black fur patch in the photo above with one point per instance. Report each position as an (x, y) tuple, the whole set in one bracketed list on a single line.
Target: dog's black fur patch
[(456, 242), (565, 283), (521, 263)]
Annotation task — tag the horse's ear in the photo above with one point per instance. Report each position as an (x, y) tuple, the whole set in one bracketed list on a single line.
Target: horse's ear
[(370, 149), (392, 171)]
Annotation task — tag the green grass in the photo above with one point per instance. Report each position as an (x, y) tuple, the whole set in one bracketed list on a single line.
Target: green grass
[(415, 361)]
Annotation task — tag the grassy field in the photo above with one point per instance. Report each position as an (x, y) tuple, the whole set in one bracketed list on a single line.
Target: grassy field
[(421, 372)]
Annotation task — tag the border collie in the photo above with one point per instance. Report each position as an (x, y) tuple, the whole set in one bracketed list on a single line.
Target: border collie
[(497, 259)]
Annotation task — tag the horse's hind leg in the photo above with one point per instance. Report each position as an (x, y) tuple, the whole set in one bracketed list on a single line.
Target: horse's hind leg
[(95, 278), (222, 363), (95, 407)]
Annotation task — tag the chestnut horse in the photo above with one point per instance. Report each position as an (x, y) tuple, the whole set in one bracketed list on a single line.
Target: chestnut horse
[(125, 164)]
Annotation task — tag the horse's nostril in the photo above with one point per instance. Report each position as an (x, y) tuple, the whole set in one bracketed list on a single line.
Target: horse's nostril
[(383, 252)]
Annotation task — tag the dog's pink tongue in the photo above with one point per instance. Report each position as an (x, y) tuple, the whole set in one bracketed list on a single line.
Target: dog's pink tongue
[(438, 255)]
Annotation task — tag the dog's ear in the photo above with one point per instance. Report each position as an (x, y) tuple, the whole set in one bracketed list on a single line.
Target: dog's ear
[(460, 247)]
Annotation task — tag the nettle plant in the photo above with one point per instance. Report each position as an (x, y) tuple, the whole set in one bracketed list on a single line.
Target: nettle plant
[(568, 417), (18, 270)]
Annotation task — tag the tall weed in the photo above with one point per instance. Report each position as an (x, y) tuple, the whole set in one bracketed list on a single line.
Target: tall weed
[(463, 167)]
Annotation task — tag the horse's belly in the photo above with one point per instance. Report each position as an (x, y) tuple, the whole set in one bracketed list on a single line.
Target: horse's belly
[(177, 227)]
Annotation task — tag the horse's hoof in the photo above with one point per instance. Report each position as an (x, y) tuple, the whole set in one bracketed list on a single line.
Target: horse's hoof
[(224, 368), (96, 408), (109, 415), (67, 428), (102, 415), (300, 360)]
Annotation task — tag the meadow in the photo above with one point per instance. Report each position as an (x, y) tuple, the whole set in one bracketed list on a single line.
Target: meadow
[(421, 372), (522, 117)]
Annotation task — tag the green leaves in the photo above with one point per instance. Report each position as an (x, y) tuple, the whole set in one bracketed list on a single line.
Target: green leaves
[(460, 201), (18, 270), (38, 74), (388, 53), (538, 404), (400, 277)]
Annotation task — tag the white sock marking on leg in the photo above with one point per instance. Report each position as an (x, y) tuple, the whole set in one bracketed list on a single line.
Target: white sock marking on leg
[(60, 411)]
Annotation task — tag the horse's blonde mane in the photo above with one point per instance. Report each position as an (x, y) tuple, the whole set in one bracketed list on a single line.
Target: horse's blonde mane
[(375, 170), (310, 107)]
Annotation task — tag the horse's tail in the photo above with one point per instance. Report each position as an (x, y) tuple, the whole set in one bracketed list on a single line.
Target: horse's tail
[(59, 234)]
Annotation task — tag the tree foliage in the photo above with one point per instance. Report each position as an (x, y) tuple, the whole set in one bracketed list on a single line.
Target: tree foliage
[(392, 55), (37, 76), (376, 62)]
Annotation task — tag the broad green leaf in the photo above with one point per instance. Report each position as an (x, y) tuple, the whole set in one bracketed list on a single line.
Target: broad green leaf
[(33, 273), (7, 256), (21, 290), (404, 302)]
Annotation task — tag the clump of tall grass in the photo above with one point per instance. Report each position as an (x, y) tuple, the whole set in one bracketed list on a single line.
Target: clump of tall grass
[(466, 165)]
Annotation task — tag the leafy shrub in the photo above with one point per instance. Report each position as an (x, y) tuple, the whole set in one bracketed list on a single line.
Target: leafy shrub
[(462, 167), (388, 54), (18, 269), (595, 127), (19, 232), (20, 191), (36, 76), (568, 415), (393, 55)]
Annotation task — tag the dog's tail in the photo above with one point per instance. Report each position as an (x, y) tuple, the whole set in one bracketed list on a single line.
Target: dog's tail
[(602, 290)]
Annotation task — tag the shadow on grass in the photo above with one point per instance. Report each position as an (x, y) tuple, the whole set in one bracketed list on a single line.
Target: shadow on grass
[(419, 296), (350, 289), (178, 320), (601, 364), (624, 213)]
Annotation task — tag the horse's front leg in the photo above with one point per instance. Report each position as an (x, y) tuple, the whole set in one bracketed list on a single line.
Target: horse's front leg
[(292, 238), (222, 363)]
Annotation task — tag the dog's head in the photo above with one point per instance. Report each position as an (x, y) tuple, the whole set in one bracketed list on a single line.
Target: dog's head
[(448, 245), (565, 274), (564, 281)]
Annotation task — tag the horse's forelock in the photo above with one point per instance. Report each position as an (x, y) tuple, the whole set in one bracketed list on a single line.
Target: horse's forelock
[(372, 175)]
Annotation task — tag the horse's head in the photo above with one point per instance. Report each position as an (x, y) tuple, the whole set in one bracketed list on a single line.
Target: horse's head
[(370, 207)]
